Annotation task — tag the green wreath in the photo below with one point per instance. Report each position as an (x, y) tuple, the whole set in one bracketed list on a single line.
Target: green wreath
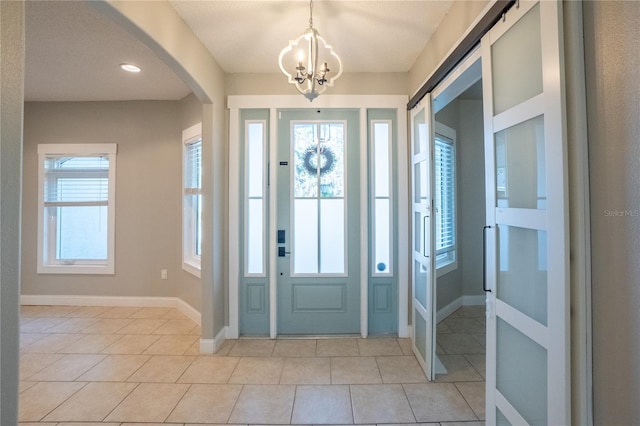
[(329, 160)]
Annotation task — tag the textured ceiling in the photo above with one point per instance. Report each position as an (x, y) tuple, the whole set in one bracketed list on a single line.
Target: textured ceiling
[(73, 52)]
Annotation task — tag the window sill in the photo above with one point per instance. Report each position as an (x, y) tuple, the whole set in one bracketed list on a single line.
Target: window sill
[(77, 269), (192, 268), (446, 268)]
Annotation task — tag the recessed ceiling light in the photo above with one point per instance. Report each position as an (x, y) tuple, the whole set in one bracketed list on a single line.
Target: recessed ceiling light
[(130, 68)]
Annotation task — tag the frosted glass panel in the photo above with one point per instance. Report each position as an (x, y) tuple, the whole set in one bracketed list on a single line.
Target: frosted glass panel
[(255, 158), (329, 160), (420, 279), (382, 235), (521, 165), (522, 276), (418, 243), (305, 244), (521, 373), (517, 63), (255, 235), (82, 232), (332, 238), (420, 182), (420, 136), (381, 159), (305, 154)]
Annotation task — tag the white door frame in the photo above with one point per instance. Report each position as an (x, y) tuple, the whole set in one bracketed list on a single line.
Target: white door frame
[(273, 103)]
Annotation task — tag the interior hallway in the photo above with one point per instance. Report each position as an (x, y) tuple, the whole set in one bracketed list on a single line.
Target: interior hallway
[(135, 366)]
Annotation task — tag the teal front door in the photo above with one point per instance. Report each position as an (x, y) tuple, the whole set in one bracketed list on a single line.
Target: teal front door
[(318, 233)]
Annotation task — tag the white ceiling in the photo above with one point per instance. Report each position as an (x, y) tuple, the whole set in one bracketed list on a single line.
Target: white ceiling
[(73, 52)]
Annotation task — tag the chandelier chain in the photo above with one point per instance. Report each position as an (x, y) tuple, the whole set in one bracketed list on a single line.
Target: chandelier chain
[(310, 13)]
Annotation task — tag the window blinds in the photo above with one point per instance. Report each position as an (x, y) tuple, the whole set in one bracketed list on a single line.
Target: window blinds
[(76, 181), (445, 196), (193, 167)]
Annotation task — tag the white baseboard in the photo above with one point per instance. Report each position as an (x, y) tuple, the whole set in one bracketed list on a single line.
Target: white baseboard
[(458, 303), (211, 346), (143, 302)]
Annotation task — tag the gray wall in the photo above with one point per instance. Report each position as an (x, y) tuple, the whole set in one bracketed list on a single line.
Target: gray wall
[(12, 89), (148, 195), (612, 41)]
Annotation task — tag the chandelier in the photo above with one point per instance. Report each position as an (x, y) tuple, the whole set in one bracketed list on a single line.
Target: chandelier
[(309, 57)]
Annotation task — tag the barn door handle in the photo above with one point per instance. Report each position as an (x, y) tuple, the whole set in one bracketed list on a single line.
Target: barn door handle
[(484, 258)]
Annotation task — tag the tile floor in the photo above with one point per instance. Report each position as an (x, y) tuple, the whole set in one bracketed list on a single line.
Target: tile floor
[(141, 366)]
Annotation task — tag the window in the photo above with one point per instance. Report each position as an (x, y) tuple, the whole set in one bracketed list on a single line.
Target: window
[(76, 214), (445, 199), (192, 199), (255, 191), (382, 190)]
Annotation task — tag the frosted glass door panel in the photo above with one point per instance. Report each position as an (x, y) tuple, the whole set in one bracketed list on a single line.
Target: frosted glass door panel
[(521, 166), (332, 241), (305, 243), (517, 63), (255, 159), (522, 275), (421, 335), (521, 375), (420, 275), (382, 256), (501, 420), (420, 133), (420, 182), (255, 236), (382, 155)]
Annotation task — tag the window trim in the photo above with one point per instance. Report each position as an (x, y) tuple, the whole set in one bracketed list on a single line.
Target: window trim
[(191, 262), (444, 266), (106, 267)]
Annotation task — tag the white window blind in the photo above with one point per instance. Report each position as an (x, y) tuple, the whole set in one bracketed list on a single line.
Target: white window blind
[(445, 197), (193, 167), (76, 181)]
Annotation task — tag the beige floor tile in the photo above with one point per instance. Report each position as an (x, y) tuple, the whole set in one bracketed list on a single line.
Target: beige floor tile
[(162, 369), (91, 403), (460, 344), (131, 344), (405, 346), (477, 311), (337, 347), (107, 325), (29, 338), (90, 424), (210, 370), (176, 326), (67, 368), (142, 326), (206, 403), (158, 400), (464, 325), (295, 348), (257, 371), (37, 401), (443, 327), (462, 424), (171, 345), (400, 369), (380, 404), (30, 364), (253, 347), (379, 347), (174, 314), (31, 311), (23, 386), (478, 362), (150, 313), (354, 370), (119, 312), (473, 393), (90, 344), (225, 349), (438, 402), (322, 405), (264, 404), (481, 338), (72, 325), (88, 311), (306, 371), (51, 343), (458, 370), (58, 311), (114, 368)]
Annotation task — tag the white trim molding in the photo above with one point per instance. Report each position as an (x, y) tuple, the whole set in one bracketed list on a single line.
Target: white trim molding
[(142, 302), (476, 300), (211, 346)]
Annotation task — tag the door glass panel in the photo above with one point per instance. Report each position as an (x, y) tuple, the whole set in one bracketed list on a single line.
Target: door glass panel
[(517, 63), (255, 235), (420, 136), (305, 147), (420, 182), (381, 159), (382, 236), (255, 158), (521, 166), (329, 160), (420, 278), (305, 244), (522, 275), (417, 232), (421, 335), (332, 236), (521, 373)]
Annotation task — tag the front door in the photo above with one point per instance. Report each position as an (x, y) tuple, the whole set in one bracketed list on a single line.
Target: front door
[(527, 377), (318, 234)]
